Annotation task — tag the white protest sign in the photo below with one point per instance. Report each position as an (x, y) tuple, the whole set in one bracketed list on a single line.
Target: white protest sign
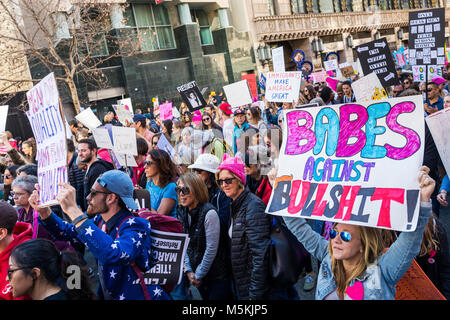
[(352, 163), (278, 60), (123, 114), (88, 119), (3, 117), (164, 144), (439, 125), (124, 140), (125, 160), (283, 86), (331, 65), (49, 131), (102, 138), (419, 72), (238, 93), (126, 104), (68, 131), (369, 88)]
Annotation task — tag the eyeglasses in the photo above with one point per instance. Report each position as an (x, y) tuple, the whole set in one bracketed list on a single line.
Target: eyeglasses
[(148, 163), (206, 119), (429, 89), (345, 236), (183, 190), (8, 177), (11, 271), (227, 181), (93, 193), (19, 194)]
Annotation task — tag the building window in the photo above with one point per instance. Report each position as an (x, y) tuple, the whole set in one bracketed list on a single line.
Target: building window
[(200, 16), (96, 45), (273, 9), (152, 24), (404, 4), (298, 6)]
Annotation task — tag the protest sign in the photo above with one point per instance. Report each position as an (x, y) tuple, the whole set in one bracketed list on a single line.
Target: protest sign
[(319, 76), (278, 60), (165, 111), (369, 89), (420, 72), (238, 93), (191, 94), (124, 140), (251, 80), (378, 58), (309, 105), (427, 37), (400, 58), (88, 119), (102, 138), (3, 117), (123, 114), (355, 163), (125, 160), (49, 132), (169, 249), (164, 144), (126, 104), (283, 86), (331, 65), (439, 125), (68, 131), (142, 198), (347, 71)]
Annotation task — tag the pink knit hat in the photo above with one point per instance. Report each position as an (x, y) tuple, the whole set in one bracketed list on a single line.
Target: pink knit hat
[(234, 165)]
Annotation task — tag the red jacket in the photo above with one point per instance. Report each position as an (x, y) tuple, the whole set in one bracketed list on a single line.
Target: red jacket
[(21, 233)]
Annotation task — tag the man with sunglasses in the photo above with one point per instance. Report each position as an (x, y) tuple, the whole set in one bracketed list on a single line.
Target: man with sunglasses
[(118, 240), (435, 101)]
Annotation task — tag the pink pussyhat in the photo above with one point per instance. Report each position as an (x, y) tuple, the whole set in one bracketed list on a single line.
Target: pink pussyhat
[(234, 165)]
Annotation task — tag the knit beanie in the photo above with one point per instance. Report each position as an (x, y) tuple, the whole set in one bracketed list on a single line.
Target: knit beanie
[(234, 165)]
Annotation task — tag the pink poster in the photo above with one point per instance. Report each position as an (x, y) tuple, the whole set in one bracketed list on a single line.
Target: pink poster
[(166, 111)]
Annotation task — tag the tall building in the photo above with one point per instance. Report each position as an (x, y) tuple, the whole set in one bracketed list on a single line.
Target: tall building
[(321, 26)]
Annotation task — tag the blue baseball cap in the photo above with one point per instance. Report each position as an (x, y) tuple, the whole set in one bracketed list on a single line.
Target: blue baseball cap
[(139, 117), (120, 183)]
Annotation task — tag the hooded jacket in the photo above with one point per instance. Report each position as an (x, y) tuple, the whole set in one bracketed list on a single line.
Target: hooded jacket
[(22, 232)]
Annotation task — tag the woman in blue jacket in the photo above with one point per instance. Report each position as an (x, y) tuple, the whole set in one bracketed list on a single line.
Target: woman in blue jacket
[(353, 264)]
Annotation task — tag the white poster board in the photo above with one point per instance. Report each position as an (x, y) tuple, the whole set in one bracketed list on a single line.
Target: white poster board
[(124, 140), (278, 60), (238, 93), (125, 160), (3, 117), (352, 163), (123, 114), (283, 86), (88, 119), (102, 138), (439, 125), (49, 131), (164, 144), (369, 89), (331, 65), (126, 104)]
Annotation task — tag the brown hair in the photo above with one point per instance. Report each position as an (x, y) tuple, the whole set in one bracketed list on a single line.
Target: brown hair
[(430, 239), (166, 168), (198, 188)]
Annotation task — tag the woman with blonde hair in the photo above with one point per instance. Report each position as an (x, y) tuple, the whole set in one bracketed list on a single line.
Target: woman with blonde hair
[(353, 264)]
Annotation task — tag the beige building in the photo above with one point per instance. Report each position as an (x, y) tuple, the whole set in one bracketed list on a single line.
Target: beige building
[(321, 26)]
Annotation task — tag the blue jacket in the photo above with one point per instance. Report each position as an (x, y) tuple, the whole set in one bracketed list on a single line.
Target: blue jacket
[(445, 184), (270, 118), (113, 252), (380, 277)]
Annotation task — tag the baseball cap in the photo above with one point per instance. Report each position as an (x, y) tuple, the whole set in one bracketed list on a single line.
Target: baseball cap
[(139, 117), (239, 110), (120, 183), (226, 108)]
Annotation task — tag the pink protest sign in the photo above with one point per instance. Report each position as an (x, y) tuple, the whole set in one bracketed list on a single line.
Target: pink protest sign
[(165, 111), (352, 163), (319, 76)]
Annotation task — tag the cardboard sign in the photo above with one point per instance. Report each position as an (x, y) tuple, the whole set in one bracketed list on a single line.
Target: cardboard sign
[(124, 140), (347, 71), (353, 163), (238, 93), (283, 86), (49, 131), (278, 60), (419, 72), (331, 65), (88, 119), (126, 104), (102, 138), (369, 89), (165, 111), (192, 96), (427, 37), (123, 114), (439, 125), (3, 117), (170, 248), (251, 80), (378, 58)]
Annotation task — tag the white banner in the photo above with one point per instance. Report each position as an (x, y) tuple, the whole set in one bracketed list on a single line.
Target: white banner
[(283, 86)]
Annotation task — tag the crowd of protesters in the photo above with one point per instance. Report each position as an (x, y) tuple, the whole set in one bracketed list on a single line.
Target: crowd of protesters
[(217, 184)]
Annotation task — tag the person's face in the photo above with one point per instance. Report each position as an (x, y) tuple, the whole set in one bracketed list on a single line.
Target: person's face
[(446, 103), (249, 115), (96, 200), (407, 83), (270, 145), (240, 119), (9, 162), (433, 92), (347, 89), (20, 197), (186, 138), (206, 120), (256, 139), (151, 169), (185, 197), (155, 141), (163, 128), (351, 250), (202, 173), (251, 170), (84, 152), (306, 92), (26, 149), (340, 93), (232, 188), (20, 281), (7, 178)]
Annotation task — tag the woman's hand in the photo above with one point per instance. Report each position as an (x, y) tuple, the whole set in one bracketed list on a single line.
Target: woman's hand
[(442, 198), (427, 184), (44, 213)]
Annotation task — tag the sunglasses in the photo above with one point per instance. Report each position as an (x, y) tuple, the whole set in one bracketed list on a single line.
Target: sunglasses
[(8, 177), (148, 163), (345, 236), (93, 193), (183, 190), (206, 119), (429, 89), (227, 181), (406, 82)]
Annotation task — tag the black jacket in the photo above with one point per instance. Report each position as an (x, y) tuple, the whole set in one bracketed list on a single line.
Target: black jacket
[(249, 246), (76, 179), (94, 171)]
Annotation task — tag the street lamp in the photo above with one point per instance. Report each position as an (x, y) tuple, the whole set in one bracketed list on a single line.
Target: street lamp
[(400, 34), (268, 52), (377, 35), (317, 46), (349, 41), (261, 53)]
